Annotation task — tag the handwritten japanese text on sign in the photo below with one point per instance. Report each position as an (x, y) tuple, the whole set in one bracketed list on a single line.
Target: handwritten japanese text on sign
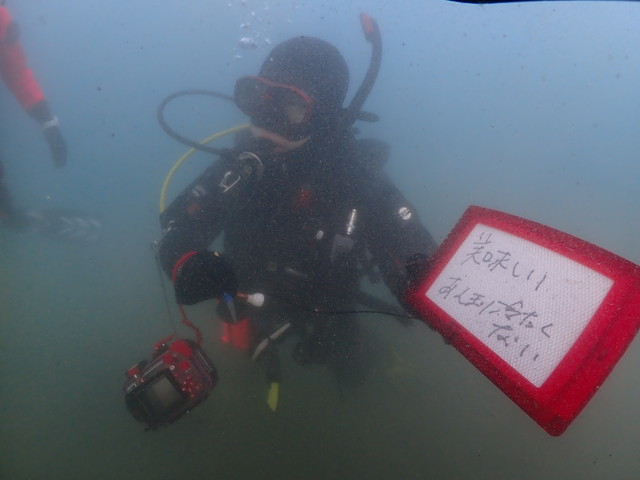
[(527, 303)]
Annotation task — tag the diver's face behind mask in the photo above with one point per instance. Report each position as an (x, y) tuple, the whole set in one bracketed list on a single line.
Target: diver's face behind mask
[(299, 90), (281, 109)]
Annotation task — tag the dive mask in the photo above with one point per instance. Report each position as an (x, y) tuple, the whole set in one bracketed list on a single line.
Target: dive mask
[(283, 109)]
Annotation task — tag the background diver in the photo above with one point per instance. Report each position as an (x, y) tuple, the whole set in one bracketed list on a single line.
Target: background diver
[(305, 210), (22, 83)]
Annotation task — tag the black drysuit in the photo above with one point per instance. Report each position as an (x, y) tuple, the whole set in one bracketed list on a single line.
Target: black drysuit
[(301, 227)]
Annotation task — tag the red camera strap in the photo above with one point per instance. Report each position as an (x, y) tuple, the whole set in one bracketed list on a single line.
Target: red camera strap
[(188, 323)]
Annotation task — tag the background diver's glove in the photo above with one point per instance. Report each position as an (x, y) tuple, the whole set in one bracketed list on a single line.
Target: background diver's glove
[(202, 275), (51, 129)]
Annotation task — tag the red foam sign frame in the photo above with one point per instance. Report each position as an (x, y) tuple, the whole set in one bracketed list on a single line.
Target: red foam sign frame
[(544, 315)]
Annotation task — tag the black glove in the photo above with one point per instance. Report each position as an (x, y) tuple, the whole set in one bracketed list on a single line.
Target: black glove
[(202, 276), (40, 111), (57, 145), (417, 266)]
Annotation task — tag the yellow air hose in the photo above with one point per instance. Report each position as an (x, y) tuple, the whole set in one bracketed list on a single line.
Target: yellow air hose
[(187, 154)]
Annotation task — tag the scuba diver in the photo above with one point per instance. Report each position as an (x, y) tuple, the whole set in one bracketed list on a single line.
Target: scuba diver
[(22, 83), (305, 210)]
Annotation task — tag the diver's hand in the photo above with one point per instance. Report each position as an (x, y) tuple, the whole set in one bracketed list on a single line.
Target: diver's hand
[(51, 129), (417, 266), (57, 145), (201, 276)]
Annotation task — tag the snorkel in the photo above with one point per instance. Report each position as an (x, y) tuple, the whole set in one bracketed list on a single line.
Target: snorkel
[(354, 111)]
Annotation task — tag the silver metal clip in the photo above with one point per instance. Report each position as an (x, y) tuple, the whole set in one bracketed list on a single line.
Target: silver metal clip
[(227, 183)]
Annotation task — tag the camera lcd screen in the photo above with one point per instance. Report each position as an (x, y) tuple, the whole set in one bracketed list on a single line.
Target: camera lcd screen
[(162, 395)]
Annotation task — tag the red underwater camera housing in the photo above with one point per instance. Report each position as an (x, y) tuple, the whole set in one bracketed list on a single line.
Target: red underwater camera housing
[(178, 378)]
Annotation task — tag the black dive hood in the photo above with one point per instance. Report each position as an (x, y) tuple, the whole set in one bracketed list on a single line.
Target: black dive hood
[(349, 115)]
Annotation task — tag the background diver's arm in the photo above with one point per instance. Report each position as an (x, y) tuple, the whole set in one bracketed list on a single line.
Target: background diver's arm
[(13, 65), (22, 83)]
